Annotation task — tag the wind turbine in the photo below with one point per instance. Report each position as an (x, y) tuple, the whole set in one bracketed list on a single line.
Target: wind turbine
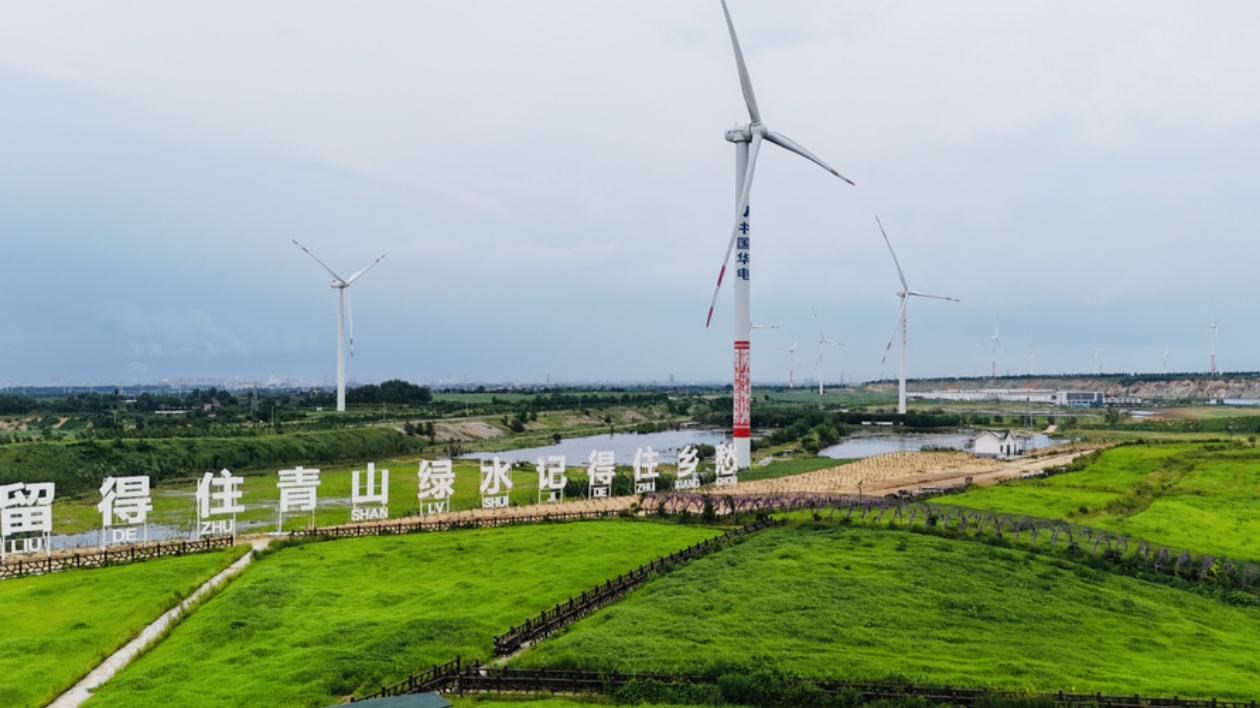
[(340, 284), (993, 342), (905, 295), (1097, 366), (1214, 328), (822, 344), (1032, 354), (792, 365), (1165, 358), (747, 141)]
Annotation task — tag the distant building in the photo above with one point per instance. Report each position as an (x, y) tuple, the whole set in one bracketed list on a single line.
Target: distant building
[(993, 443), (1079, 399)]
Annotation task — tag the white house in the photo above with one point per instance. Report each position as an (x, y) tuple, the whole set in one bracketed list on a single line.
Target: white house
[(993, 443)]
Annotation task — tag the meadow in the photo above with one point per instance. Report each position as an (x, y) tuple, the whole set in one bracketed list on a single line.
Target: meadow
[(312, 623), (1203, 497), (58, 627), (830, 601)]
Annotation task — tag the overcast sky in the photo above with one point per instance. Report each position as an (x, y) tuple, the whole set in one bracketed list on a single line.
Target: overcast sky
[(551, 187)]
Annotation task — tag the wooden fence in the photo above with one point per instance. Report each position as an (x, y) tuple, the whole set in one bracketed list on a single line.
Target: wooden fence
[(562, 614), (474, 678), (97, 559), (420, 525)]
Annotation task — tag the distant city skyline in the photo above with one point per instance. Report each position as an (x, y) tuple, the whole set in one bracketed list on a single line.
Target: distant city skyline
[(553, 190)]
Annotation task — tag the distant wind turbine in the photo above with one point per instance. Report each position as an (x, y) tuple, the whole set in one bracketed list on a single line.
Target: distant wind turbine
[(792, 362), (1032, 354), (1214, 329), (993, 342), (747, 141), (1097, 366), (1165, 358), (905, 295), (822, 344), (340, 284)]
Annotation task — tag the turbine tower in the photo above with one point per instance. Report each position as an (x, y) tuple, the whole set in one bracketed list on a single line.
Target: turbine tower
[(993, 342), (1032, 354), (1214, 328), (747, 141), (905, 295), (1165, 358), (1097, 366), (340, 284)]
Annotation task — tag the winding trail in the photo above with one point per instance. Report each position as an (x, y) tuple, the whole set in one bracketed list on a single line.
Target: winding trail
[(81, 691)]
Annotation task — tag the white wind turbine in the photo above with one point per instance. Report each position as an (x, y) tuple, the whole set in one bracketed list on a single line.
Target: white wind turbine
[(1214, 328), (1165, 358), (905, 295), (1097, 366), (340, 284), (1032, 354), (822, 344), (747, 141), (792, 362), (993, 342)]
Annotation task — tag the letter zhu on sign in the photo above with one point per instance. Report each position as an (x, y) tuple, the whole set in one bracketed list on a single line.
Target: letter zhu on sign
[(496, 484), (26, 517), (127, 501), (372, 491), (218, 495), (645, 474), (437, 486)]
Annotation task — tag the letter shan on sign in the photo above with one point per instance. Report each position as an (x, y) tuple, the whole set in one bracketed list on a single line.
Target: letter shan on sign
[(218, 495), (297, 491), (645, 474), (551, 479), (437, 486), (496, 484), (688, 463), (372, 491), (600, 469), (26, 518), (726, 466), (126, 501)]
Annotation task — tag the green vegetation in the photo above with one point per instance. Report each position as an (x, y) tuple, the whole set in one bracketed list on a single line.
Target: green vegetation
[(1194, 496), (309, 624), (832, 601), (58, 627)]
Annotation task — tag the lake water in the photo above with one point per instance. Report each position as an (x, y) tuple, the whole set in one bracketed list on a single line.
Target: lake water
[(623, 445), (871, 445)]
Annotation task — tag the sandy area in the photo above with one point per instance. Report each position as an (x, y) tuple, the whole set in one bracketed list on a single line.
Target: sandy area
[(465, 430)]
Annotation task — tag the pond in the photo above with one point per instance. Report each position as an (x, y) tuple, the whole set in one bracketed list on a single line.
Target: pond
[(859, 446)]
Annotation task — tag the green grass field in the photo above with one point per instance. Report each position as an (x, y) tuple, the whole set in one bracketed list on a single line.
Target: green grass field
[(859, 604), (316, 622), (58, 627), (1204, 498)]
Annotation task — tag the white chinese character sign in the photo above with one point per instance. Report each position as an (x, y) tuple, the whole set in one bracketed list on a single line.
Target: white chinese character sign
[(374, 490), (496, 483), (26, 513), (125, 501), (297, 491), (218, 495), (645, 474), (688, 462), (551, 479), (437, 486), (726, 466), (599, 473)]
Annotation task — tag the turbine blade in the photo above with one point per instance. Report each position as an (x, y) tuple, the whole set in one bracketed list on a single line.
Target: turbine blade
[(917, 293), (745, 82), (336, 277), (787, 143), (355, 277), (904, 286), (740, 210), (901, 317)]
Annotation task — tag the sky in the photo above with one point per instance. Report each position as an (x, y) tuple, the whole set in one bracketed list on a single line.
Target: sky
[(553, 194)]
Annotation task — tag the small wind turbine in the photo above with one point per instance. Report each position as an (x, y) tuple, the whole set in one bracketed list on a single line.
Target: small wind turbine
[(792, 362), (822, 344), (1097, 366), (1032, 354), (993, 342), (747, 140), (340, 284), (1214, 328), (1165, 358), (905, 295)]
